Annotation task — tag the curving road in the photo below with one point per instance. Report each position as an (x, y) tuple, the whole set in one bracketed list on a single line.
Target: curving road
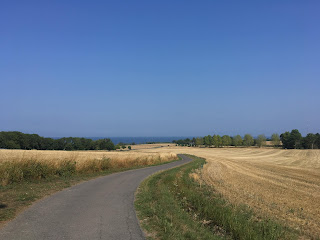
[(102, 208)]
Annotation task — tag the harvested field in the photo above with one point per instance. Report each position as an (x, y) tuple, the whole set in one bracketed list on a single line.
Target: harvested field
[(275, 183)]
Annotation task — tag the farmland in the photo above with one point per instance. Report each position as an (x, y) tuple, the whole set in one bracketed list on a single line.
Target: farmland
[(280, 184), (283, 185), (28, 175), (19, 165)]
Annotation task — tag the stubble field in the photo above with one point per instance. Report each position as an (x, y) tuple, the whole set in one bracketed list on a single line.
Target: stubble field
[(280, 184)]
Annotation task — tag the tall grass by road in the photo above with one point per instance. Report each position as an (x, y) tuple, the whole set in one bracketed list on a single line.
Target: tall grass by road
[(19, 166)]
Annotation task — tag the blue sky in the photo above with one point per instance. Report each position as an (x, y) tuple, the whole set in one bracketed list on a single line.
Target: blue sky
[(159, 68)]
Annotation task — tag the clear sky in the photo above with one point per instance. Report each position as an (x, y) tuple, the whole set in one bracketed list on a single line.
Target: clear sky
[(159, 68)]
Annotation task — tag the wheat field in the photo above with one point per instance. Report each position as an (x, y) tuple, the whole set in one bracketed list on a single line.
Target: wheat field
[(18, 165), (275, 183)]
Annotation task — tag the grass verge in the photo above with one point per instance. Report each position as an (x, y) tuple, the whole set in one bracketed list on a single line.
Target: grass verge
[(171, 205), (16, 196)]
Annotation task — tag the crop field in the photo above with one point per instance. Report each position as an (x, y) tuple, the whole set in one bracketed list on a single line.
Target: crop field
[(280, 184), (15, 165)]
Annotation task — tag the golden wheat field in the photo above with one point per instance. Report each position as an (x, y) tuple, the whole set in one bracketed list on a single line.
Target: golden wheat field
[(276, 183), (83, 157), (17, 165)]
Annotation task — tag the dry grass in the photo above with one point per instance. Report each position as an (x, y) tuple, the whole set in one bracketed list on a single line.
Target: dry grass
[(17, 165), (275, 183)]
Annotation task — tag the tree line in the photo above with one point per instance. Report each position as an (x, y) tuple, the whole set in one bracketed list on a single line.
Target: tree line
[(19, 140), (287, 140)]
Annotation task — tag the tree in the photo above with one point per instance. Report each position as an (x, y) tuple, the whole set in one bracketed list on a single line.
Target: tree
[(109, 144), (123, 146), (199, 141), (261, 140), (207, 140), (285, 139), (226, 140), (295, 139), (309, 141), (248, 140), (217, 141), (237, 141), (317, 142), (12, 145), (275, 138), (193, 141), (129, 147)]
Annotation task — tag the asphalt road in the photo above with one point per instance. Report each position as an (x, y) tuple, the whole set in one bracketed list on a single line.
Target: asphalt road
[(102, 208)]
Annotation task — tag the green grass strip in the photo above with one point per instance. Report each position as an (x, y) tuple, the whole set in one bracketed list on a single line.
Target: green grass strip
[(171, 205)]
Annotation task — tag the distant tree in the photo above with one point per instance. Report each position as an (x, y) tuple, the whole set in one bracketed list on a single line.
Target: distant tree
[(34, 141), (207, 140), (285, 139), (123, 146), (275, 138), (309, 141), (12, 145), (109, 144), (193, 141), (237, 141), (248, 140), (261, 140), (295, 139), (129, 147), (226, 140), (199, 141), (317, 142), (291, 140), (217, 141), (69, 146)]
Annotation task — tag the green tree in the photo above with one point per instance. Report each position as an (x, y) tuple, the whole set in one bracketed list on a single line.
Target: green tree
[(261, 140), (248, 140), (285, 139), (226, 140), (309, 141), (12, 145), (237, 141), (109, 144), (317, 142), (217, 141), (295, 139), (275, 138), (208, 140), (129, 147), (199, 141)]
